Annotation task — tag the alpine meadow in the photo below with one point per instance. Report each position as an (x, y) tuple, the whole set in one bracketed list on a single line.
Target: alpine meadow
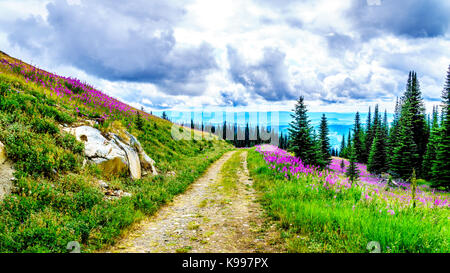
[(244, 127)]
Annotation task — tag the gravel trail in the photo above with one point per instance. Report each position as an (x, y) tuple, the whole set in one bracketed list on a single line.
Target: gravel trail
[(207, 219)]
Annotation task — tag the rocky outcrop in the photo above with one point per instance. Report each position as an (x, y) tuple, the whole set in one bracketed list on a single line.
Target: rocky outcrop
[(146, 162), (6, 179), (6, 173), (112, 153), (2, 153), (133, 158)]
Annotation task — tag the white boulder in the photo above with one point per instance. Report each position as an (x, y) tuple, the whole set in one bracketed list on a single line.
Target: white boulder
[(114, 154), (2, 153)]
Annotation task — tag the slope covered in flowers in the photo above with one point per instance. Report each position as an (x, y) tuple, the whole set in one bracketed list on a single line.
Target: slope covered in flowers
[(81, 96), (312, 200), (57, 198)]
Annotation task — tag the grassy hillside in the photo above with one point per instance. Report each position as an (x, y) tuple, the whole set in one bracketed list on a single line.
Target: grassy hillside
[(56, 200)]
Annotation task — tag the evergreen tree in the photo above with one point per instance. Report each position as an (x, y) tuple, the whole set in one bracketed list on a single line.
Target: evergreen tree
[(393, 131), (342, 149), (430, 155), (357, 143), (286, 142), (377, 156), (247, 136), (139, 121), (342, 165), (352, 170), (369, 135), (441, 166), (301, 140), (164, 116), (418, 127), (281, 142), (376, 120), (405, 151), (324, 141), (224, 130), (385, 124), (316, 153), (349, 143), (258, 136)]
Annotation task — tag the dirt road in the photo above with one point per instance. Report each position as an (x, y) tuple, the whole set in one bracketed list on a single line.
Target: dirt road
[(207, 218)]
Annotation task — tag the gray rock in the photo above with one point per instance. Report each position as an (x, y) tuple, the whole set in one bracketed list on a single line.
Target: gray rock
[(6, 179), (134, 164), (103, 184), (2, 153), (147, 163)]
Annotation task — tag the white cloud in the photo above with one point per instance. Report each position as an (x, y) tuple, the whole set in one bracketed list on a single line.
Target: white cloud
[(328, 56)]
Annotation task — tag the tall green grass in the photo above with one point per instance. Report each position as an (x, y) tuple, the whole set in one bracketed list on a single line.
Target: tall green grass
[(339, 223)]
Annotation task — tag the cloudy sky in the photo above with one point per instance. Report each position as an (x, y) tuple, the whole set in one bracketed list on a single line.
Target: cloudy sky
[(341, 55)]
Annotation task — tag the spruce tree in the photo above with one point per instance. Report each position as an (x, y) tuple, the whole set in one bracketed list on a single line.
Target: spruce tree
[(258, 136), (357, 143), (247, 136), (418, 127), (352, 170), (441, 166), (139, 121), (349, 143), (377, 156), (316, 152), (405, 151), (430, 154), (393, 131), (342, 149), (385, 124), (369, 135), (301, 140), (324, 141)]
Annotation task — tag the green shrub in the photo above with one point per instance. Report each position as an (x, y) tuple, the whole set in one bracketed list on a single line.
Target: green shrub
[(44, 126)]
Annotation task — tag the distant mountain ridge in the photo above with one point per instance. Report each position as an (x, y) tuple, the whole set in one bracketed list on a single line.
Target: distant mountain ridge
[(339, 123)]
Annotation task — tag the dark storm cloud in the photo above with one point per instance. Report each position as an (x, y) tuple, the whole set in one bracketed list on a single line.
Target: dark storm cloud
[(412, 18), (268, 78), (119, 41)]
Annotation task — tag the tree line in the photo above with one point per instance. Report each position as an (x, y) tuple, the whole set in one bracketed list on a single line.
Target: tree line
[(243, 136), (413, 143)]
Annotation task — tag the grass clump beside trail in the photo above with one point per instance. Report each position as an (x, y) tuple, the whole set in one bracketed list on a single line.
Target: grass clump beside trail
[(228, 173), (56, 200), (315, 220)]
